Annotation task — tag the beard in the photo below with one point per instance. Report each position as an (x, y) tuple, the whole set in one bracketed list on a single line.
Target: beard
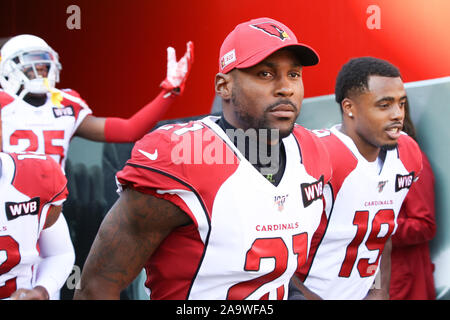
[(369, 138), (262, 122), (387, 147)]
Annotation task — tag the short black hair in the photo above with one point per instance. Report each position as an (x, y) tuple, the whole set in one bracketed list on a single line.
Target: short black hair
[(354, 75)]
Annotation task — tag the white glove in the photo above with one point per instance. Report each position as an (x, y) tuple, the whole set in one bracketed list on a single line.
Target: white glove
[(177, 72)]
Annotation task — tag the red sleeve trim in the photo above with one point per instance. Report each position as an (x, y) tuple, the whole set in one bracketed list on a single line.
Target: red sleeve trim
[(133, 177)]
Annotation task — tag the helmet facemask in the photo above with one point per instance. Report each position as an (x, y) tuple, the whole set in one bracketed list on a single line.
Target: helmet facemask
[(24, 72)]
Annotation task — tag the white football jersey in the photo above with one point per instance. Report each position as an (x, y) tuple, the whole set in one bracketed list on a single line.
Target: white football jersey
[(248, 236), (47, 129), (362, 210), (29, 185)]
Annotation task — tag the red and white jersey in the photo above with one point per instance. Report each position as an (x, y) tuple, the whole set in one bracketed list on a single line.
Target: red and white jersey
[(248, 236), (362, 208), (29, 185), (47, 129)]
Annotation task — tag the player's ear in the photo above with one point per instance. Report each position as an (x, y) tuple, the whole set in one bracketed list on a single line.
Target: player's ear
[(223, 85), (348, 107)]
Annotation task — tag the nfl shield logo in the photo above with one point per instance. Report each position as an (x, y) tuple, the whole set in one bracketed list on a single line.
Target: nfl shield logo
[(381, 185)]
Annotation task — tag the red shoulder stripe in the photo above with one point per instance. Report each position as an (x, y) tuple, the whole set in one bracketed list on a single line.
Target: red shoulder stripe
[(5, 99), (39, 178), (76, 107), (181, 157), (315, 156), (342, 159)]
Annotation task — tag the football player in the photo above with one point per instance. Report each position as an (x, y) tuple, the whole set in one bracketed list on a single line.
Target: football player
[(36, 253), (205, 219), (374, 165), (37, 117)]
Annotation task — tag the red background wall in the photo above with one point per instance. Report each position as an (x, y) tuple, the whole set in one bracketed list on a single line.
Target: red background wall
[(118, 58)]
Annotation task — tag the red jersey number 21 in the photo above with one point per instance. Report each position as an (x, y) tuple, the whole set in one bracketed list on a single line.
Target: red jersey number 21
[(269, 248)]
